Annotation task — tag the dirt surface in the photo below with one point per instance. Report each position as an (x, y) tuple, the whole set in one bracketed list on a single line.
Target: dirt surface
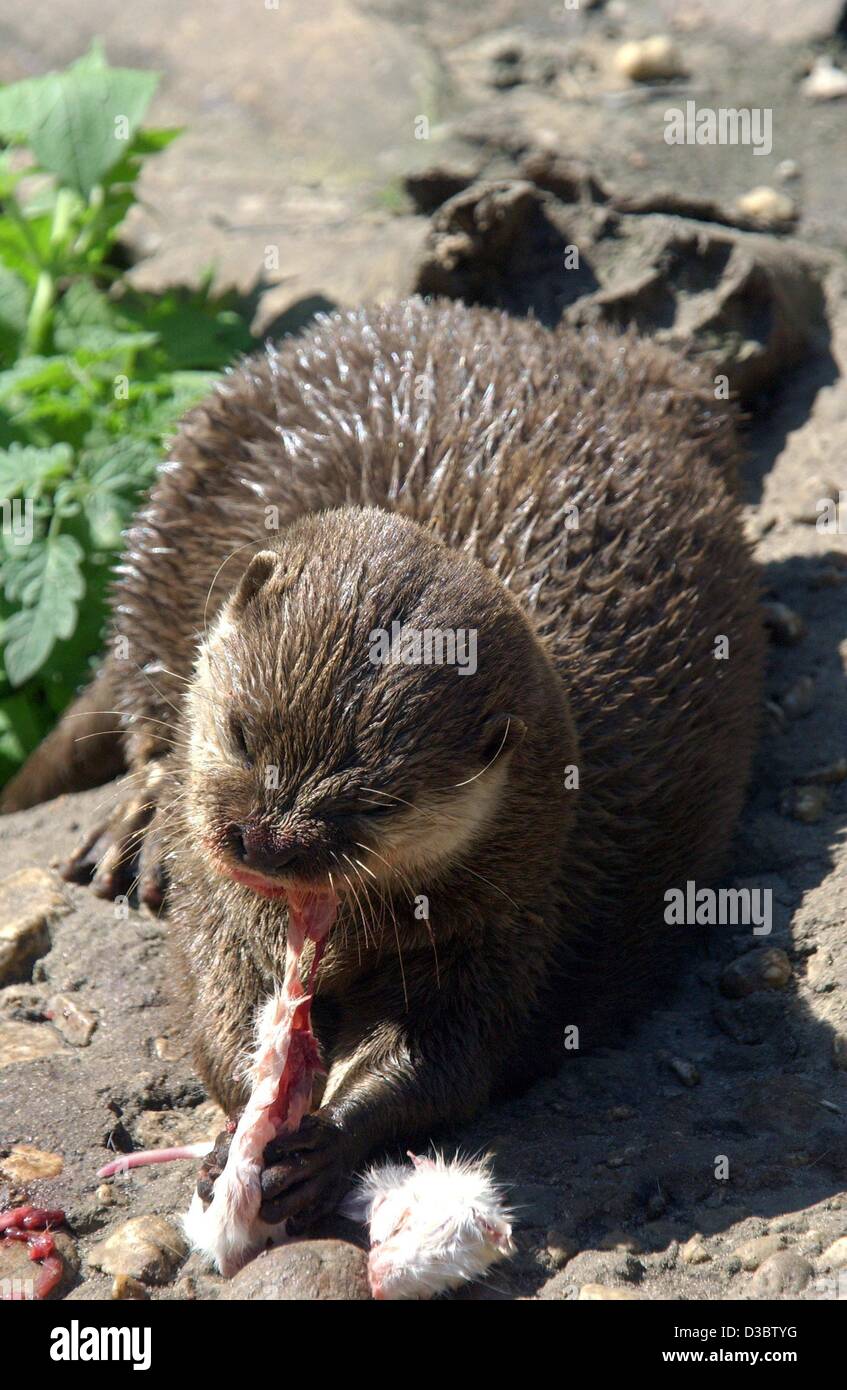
[(706, 1158)]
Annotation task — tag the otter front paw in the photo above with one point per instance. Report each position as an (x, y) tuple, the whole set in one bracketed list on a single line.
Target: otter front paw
[(306, 1174)]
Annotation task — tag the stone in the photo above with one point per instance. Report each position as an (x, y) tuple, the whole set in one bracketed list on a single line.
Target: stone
[(604, 1293), (325, 1270), (73, 1022), (686, 1071), (29, 900), (27, 1042), (766, 207), (650, 60), (694, 1252), (24, 1164), (754, 1252), (768, 968), (783, 1273), (148, 1248), (825, 82), (839, 1051)]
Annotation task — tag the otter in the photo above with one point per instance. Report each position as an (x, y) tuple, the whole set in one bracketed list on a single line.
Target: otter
[(493, 837)]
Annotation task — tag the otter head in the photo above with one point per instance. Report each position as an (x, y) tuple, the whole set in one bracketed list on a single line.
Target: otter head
[(358, 711)]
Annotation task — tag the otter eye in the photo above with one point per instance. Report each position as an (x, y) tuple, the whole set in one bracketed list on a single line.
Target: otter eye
[(239, 740)]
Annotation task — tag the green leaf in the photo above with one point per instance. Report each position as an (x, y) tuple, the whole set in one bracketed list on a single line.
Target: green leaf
[(51, 597), (26, 469), (78, 123)]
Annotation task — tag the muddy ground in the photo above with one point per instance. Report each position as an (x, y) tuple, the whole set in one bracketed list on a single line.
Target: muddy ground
[(707, 1158)]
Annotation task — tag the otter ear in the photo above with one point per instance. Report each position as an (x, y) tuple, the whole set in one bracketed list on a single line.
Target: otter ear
[(502, 734), (256, 575)]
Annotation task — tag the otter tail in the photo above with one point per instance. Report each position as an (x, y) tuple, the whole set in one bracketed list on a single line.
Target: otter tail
[(72, 758)]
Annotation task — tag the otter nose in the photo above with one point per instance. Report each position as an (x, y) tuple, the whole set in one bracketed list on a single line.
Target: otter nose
[(255, 848)]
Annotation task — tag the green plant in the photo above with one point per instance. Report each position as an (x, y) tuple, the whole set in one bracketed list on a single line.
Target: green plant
[(93, 374)]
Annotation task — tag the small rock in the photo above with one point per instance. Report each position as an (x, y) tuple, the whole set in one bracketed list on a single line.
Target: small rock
[(787, 169), (25, 1164), (754, 1252), (165, 1050), (835, 1255), (106, 1194), (768, 968), (28, 900), (800, 699), (766, 207), (650, 60), (185, 1288), (805, 804), (595, 1293), (27, 1042), (325, 1270), (785, 1272), (784, 625), (839, 1051), (148, 1248), (74, 1023), (825, 82), (124, 1287), (686, 1071), (694, 1251)]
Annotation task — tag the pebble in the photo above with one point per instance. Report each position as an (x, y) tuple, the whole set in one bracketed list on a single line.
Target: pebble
[(106, 1194), (28, 901), (23, 1164), (323, 1270), (784, 1272), (596, 1293), (148, 1248), (839, 1051), (686, 1071), (767, 207), (799, 699), (768, 968), (787, 169), (805, 804), (784, 625), (754, 1252), (124, 1287), (835, 1255), (27, 1042), (826, 81), (74, 1023), (694, 1251), (650, 60)]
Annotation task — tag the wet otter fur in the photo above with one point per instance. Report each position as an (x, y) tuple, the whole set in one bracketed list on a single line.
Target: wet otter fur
[(565, 495)]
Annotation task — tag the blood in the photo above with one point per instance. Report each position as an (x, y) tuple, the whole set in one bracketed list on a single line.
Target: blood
[(33, 1225)]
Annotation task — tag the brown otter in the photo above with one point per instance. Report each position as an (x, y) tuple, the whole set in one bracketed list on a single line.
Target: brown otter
[(488, 828)]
